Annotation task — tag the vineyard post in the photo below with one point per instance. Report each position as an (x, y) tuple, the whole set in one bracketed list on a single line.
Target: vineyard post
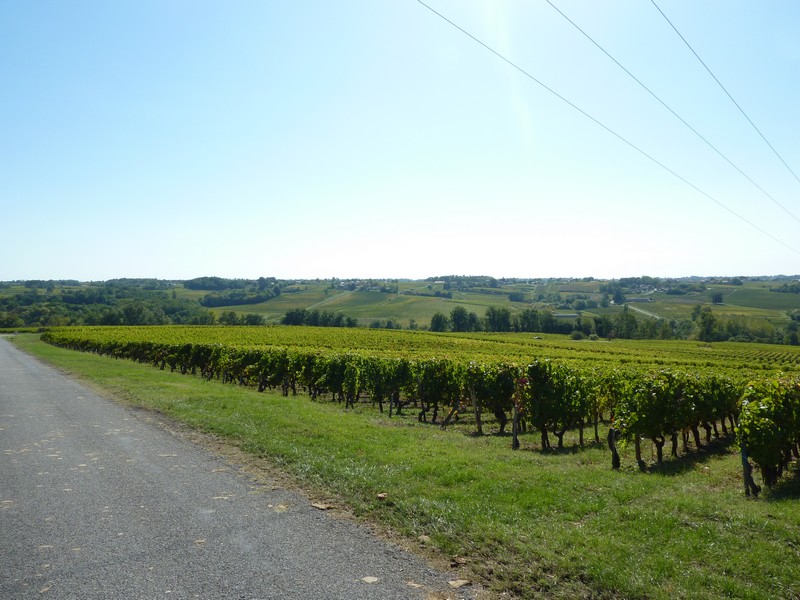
[(747, 471), (637, 444), (613, 435), (596, 426), (477, 409), (515, 428), (518, 390)]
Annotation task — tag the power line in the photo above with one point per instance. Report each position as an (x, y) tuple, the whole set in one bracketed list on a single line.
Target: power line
[(608, 129), (736, 104), (676, 115)]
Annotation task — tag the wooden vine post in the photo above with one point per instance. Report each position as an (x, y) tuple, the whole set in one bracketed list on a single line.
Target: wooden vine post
[(613, 436), (747, 471), (517, 415)]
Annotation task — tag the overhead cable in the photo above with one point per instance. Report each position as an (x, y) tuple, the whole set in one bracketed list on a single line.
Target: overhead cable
[(676, 115), (608, 129), (719, 83)]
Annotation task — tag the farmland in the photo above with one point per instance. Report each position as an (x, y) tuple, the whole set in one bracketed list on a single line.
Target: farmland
[(537, 522), (745, 309)]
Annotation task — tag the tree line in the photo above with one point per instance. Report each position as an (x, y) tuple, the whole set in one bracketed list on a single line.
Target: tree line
[(316, 318), (704, 325), (108, 304)]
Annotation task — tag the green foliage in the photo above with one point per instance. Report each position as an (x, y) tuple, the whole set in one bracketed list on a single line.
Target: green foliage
[(706, 325), (316, 318), (214, 283), (118, 302), (769, 424), (787, 288), (439, 322), (462, 320), (493, 387), (498, 319), (625, 325)]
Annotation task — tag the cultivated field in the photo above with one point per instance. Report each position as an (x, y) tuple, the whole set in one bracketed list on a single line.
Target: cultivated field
[(547, 520)]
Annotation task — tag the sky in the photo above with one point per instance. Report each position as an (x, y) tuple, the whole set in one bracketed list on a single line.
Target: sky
[(374, 139)]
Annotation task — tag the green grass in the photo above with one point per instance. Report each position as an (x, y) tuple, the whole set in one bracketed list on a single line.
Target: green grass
[(533, 524)]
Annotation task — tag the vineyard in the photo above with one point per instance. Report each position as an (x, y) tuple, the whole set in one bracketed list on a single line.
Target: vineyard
[(661, 392)]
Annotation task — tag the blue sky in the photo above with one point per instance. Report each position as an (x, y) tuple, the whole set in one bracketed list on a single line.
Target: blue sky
[(176, 139)]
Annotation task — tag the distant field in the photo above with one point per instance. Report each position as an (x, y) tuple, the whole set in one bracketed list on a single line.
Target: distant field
[(753, 299), (182, 292), (273, 310), (573, 287), (762, 298), (682, 309), (368, 306)]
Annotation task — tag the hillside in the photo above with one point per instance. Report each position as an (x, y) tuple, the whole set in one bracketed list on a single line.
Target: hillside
[(752, 309)]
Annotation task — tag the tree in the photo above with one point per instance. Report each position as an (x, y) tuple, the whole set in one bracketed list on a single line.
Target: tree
[(716, 298), (696, 311), (9, 320), (498, 319), (665, 330), (706, 325), (439, 322), (603, 326), (528, 320), (792, 334), (134, 313), (473, 322), (253, 319), (229, 318), (626, 325), (459, 318), (295, 316)]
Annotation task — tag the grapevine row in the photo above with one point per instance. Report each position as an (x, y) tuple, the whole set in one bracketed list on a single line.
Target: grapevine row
[(550, 397)]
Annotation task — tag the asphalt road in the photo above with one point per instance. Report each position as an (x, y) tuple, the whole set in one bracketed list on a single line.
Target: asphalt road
[(98, 501)]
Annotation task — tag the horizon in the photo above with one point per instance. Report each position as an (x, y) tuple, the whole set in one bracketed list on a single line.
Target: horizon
[(415, 279)]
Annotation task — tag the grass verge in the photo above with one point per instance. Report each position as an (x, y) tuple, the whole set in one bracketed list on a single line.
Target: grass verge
[(531, 524)]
